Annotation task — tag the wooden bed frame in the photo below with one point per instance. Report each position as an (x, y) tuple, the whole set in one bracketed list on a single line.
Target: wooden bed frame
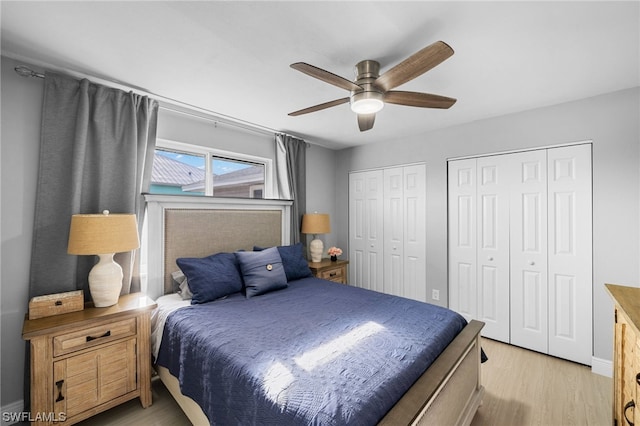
[(448, 393)]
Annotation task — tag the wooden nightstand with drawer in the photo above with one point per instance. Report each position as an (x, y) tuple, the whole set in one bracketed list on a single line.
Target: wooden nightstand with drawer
[(329, 270), (88, 361)]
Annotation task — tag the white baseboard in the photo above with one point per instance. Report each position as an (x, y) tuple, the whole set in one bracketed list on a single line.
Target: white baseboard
[(11, 411), (604, 367)]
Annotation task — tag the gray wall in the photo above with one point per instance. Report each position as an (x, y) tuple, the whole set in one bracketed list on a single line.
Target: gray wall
[(20, 141), (611, 121), (20, 121)]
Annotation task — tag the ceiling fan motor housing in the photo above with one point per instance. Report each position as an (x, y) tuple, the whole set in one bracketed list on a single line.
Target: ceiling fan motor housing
[(369, 100)]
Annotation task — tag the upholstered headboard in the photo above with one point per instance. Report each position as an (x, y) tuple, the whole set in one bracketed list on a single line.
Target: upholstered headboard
[(199, 233), (183, 227)]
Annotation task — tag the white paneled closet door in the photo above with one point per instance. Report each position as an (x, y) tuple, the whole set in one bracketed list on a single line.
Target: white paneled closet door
[(462, 238), (493, 245), (570, 252), (528, 229), (394, 231), (405, 232), (415, 232), (366, 230), (479, 242), (387, 230), (520, 248)]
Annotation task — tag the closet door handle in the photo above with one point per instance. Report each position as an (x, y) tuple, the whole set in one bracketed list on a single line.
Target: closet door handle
[(490, 259), (628, 405), (531, 262)]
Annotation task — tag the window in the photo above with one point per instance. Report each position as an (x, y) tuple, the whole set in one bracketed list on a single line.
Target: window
[(240, 179), (177, 172), (180, 168)]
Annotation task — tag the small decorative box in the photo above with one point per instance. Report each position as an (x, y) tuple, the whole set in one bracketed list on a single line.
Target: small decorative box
[(55, 304)]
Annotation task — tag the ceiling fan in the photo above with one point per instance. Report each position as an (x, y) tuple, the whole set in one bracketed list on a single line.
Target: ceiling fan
[(370, 91)]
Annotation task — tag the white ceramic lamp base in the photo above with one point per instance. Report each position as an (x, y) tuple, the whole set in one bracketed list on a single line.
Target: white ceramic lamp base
[(316, 247), (105, 281)]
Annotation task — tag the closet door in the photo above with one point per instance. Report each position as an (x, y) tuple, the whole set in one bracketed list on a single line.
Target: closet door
[(394, 232), (366, 229), (528, 231), (462, 238), (570, 253), (493, 180), (414, 261)]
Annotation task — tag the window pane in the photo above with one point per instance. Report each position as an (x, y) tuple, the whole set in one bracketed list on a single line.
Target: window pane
[(237, 178), (177, 173)]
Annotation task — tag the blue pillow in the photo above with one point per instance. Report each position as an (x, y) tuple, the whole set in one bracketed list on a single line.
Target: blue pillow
[(295, 265), (211, 277), (262, 271)]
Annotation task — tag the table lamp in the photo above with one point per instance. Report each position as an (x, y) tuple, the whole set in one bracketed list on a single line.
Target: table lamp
[(103, 235), (316, 223)]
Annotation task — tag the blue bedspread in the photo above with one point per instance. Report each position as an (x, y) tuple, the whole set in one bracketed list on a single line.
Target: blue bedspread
[(316, 352)]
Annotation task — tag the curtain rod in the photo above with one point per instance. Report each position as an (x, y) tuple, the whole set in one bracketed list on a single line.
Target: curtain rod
[(24, 71), (27, 72)]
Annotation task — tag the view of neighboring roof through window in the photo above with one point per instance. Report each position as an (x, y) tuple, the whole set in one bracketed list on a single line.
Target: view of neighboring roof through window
[(176, 172)]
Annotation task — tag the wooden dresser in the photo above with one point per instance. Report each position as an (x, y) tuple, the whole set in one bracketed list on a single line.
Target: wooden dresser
[(330, 270), (88, 361), (626, 355)]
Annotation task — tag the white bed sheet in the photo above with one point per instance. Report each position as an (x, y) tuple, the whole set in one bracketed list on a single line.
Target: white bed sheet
[(166, 305)]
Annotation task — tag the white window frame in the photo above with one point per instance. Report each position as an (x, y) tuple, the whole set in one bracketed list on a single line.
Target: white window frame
[(210, 153)]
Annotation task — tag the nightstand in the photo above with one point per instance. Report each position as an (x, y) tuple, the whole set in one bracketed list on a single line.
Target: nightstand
[(88, 361), (328, 270)]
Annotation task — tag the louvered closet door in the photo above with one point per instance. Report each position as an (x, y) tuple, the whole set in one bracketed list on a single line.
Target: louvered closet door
[(493, 180), (462, 238), (528, 229), (366, 237), (570, 253)]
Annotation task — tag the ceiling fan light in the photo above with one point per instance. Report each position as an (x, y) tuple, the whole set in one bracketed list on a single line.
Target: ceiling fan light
[(368, 102)]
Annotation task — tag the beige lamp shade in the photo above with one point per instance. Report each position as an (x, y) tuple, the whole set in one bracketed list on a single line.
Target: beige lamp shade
[(316, 223), (103, 233)]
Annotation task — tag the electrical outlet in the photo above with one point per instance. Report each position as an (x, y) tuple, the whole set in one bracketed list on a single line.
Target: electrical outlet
[(435, 294)]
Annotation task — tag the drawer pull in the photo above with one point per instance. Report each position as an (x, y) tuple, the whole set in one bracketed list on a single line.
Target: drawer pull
[(638, 378), (107, 334), (333, 274), (628, 405), (59, 384)]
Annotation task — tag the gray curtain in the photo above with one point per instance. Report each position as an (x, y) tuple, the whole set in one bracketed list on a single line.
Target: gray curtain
[(295, 163), (96, 154)]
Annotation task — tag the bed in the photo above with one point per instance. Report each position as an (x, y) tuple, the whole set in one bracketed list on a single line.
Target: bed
[(447, 392)]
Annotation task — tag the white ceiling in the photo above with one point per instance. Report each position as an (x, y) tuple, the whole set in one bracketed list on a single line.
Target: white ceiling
[(233, 58)]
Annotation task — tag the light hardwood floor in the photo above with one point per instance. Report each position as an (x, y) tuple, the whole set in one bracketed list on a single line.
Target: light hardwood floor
[(522, 388), (528, 388)]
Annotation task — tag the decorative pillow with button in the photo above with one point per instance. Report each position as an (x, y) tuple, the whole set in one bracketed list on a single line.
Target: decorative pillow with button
[(295, 265), (262, 271)]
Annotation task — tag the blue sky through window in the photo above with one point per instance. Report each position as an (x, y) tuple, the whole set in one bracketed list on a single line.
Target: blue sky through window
[(220, 166)]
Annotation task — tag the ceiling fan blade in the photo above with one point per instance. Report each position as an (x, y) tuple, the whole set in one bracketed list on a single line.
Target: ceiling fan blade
[(320, 107), (325, 76), (416, 99), (415, 65), (365, 121)]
